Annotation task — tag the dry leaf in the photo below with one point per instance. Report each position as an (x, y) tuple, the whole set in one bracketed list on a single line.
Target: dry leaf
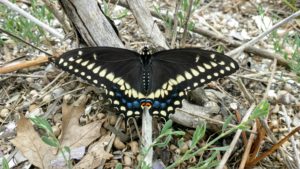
[(95, 154), (31, 145), (40, 154), (74, 135)]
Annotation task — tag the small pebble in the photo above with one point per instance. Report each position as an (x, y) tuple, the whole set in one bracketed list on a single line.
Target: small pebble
[(57, 118), (67, 98), (56, 130), (33, 107), (100, 116), (83, 119), (173, 147), (47, 98), (112, 120), (288, 87), (127, 161), (184, 147), (134, 146), (118, 144), (286, 98), (4, 113)]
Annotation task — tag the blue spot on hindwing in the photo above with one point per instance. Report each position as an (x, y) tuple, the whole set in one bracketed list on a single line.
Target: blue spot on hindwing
[(163, 105), (156, 104), (129, 105), (136, 104)]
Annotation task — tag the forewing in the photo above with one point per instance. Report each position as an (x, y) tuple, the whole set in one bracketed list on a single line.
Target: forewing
[(179, 70), (116, 70)]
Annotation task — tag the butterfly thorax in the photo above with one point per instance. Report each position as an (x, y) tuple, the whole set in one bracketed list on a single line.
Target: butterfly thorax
[(146, 61), (146, 56)]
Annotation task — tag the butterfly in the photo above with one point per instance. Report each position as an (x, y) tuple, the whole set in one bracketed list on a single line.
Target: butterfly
[(158, 81)]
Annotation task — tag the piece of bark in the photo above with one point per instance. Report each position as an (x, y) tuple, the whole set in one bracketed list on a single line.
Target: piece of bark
[(93, 25), (145, 20)]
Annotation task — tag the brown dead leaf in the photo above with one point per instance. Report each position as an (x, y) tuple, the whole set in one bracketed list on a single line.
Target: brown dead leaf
[(31, 145), (74, 135), (95, 154)]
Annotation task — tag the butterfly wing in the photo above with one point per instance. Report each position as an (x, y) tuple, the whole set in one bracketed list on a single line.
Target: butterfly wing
[(179, 70), (116, 70)]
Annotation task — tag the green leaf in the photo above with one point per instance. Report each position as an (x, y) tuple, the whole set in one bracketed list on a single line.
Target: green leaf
[(42, 123), (224, 148), (180, 142), (210, 162), (119, 166), (261, 110), (167, 126), (242, 126), (198, 134), (178, 133), (227, 121), (67, 149), (50, 141), (5, 163), (164, 142)]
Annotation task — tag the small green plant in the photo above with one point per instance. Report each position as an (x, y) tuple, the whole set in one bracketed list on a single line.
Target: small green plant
[(167, 134), (108, 11), (22, 27), (291, 4), (289, 39), (50, 139), (162, 140), (118, 166), (5, 163), (295, 60), (181, 15)]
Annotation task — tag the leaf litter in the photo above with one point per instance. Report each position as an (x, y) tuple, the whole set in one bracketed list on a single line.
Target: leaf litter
[(74, 136)]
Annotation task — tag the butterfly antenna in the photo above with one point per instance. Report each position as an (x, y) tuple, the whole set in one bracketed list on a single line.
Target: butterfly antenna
[(27, 43)]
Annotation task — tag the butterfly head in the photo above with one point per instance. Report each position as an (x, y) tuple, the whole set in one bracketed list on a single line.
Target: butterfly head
[(146, 51), (146, 103)]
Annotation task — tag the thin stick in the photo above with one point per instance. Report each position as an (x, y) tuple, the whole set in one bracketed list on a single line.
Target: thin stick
[(175, 20), (235, 139), (248, 147), (22, 40), (147, 136), (26, 64), (188, 15), (270, 79), (256, 39), (31, 18)]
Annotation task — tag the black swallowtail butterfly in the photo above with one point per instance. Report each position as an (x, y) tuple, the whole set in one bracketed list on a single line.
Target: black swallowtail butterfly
[(159, 80)]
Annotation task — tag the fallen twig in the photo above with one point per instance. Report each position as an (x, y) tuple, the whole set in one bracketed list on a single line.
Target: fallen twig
[(22, 65), (259, 37), (175, 25), (235, 139), (272, 149)]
